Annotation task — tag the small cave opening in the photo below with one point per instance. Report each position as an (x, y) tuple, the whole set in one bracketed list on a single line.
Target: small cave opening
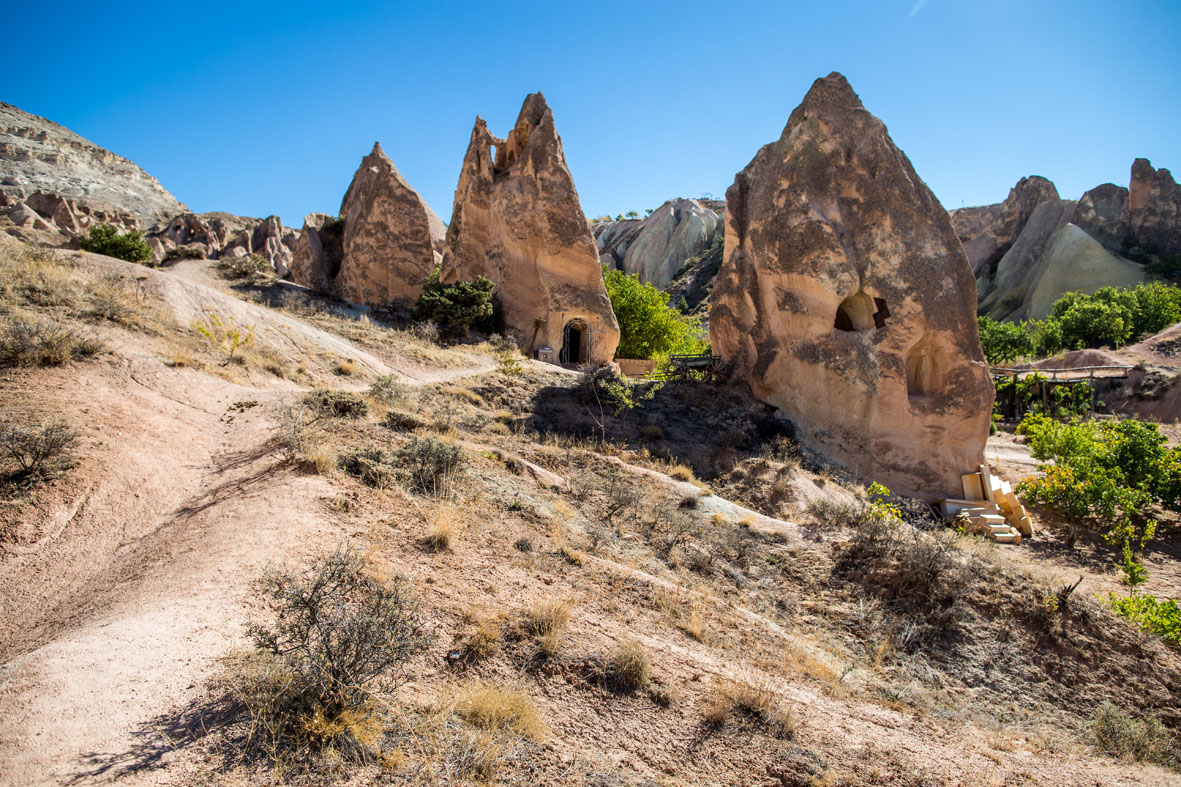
[(856, 313), (924, 369), (574, 343)]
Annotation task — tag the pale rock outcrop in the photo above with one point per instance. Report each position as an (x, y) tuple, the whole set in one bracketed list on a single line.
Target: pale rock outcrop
[(224, 235), (517, 221), (987, 232), (1074, 262), (389, 249), (846, 300), (1154, 210), (1004, 295), (318, 252), (39, 155), (659, 245)]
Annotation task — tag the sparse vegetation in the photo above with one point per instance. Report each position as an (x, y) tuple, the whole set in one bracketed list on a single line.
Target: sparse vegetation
[(42, 342), (184, 253), (129, 246), (225, 335), (1135, 740), (545, 624), (387, 390), (754, 700), (626, 667), (336, 636), (246, 266), (30, 455), (430, 465), (336, 404)]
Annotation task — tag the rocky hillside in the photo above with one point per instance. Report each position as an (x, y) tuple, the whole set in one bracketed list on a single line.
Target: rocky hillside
[(1030, 249), (39, 155)]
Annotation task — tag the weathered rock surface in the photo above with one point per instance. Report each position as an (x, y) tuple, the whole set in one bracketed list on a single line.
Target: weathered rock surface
[(224, 235), (656, 247), (389, 247), (318, 252), (517, 221), (987, 232), (1004, 295), (1074, 262), (1154, 210), (1103, 214), (39, 155), (846, 300)]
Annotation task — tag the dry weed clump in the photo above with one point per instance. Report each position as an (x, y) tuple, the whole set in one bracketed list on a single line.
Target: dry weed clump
[(445, 528), (42, 342), (299, 436), (30, 455), (626, 667), (387, 390), (545, 624), (1134, 740), (336, 404), (336, 637), (754, 700), (499, 709), (486, 635)]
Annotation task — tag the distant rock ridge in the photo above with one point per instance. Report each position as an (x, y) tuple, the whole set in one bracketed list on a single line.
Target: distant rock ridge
[(1019, 251), (657, 247), (38, 155), (517, 220), (846, 301)]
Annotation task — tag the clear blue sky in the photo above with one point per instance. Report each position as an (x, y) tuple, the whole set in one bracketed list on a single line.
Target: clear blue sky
[(256, 109)]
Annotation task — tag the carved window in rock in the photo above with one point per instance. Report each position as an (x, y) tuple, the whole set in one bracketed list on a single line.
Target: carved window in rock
[(860, 313), (924, 369)]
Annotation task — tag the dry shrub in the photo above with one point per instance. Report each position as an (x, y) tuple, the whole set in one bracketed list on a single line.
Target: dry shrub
[(30, 455), (371, 465), (545, 623), (485, 638), (836, 513), (499, 709), (346, 368), (651, 432), (445, 527), (626, 667), (1135, 740), (336, 404), (387, 390), (400, 421), (37, 342), (336, 636), (429, 465), (36, 277), (682, 473), (754, 700), (298, 436)]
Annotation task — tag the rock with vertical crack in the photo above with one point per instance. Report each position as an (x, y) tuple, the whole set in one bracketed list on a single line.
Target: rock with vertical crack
[(517, 221), (1154, 211), (846, 300)]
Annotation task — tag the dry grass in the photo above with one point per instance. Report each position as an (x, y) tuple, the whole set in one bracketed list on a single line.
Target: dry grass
[(445, 528), (498, 709), (756, 700), (626, 666), (682, 473), (545, 623), (485, 638)]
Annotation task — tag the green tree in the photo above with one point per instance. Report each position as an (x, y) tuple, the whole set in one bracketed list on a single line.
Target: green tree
[(455, 305), (1004, 342), (105, 239), (1103, 319), (648, 326)]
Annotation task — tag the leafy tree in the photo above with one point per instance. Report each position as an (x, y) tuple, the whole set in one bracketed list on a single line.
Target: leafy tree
[(648, 325), (1103, 319), (1157, 307), (1004, 342), (105, 239), (455, 305), (631, 214)]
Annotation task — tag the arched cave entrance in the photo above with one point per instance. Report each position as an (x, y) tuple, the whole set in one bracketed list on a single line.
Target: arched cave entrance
[(861, 313), (575, 343)]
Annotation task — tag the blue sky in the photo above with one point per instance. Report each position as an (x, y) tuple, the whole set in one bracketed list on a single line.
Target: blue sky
[(259, 108)]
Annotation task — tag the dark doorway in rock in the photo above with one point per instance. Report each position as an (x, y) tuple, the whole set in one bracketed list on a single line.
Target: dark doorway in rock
[(856, 313), (574, 344)]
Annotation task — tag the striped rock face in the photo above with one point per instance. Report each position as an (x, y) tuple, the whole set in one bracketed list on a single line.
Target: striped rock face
[(846, 300)]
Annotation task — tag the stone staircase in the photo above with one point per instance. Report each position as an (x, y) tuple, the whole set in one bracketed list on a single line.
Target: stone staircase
[(988, 508)]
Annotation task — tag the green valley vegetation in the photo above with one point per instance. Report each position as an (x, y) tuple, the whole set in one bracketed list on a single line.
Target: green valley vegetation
[(129, 246), (648, 326), (1110, 317), (455, 305)]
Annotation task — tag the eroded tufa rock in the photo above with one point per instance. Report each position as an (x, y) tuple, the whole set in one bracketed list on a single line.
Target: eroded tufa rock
[(517, 221), (846, 300), (389, 235), (1154, 210)]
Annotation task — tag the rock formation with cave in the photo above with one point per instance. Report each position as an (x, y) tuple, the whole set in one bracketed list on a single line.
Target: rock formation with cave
[(517, 221), (847, 301)]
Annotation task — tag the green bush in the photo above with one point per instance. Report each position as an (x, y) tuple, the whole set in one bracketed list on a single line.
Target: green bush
[(105, 239), (1004, 342), (455, 305), (1162, 618), (648, 326)]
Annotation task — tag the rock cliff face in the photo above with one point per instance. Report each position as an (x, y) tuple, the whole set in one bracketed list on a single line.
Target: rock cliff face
[(517, 221), (846, 300), (656, 247), (39, 155), (987, 232), (223, 235), (381, 249), (1154, 210)]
